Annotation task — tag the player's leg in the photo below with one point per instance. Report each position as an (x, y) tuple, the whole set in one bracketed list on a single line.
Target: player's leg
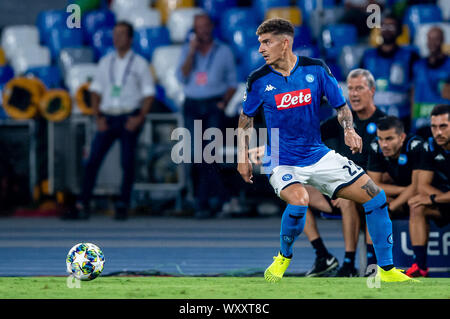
[(373, 199), (292, 224), (350, 228), (324, 262), (418, 231)]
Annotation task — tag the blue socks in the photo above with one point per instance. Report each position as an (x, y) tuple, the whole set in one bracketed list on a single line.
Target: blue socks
[(292, 223), (380, 228)]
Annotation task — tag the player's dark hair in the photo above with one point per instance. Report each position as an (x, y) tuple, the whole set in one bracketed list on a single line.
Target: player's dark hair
[(128, 26), (441, 109), (276, 26), (388, 122)]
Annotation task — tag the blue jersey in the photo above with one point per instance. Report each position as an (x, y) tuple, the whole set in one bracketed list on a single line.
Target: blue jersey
[(291, 105)]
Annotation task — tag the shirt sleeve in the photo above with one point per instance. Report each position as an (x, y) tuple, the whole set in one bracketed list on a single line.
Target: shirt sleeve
[(252, 100), (416, 152), (426, 158), (97, 85), (178, 73), (146, 78), (375, 162), (330, 87)]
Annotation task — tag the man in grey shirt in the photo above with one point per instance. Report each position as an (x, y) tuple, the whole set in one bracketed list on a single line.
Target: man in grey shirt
[(208, 72)]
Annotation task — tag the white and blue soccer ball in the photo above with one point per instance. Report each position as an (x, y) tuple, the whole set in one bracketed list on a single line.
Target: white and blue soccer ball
[(85, 261)]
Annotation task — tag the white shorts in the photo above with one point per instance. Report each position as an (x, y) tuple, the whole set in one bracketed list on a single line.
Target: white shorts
[(331, 173)]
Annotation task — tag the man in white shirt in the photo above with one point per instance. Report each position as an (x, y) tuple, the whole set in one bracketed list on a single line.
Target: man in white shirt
[(122, 93)]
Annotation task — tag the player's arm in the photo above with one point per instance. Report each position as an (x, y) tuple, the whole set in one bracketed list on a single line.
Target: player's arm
[(426, 190), (407, 193), (244, 130), (390, 189), (351, 138)]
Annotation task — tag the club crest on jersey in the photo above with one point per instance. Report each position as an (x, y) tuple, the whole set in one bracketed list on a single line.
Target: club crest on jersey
[(286, 177), (310, 78), (293, 99)]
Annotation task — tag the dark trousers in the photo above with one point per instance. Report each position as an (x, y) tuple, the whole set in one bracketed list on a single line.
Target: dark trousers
[(207, 181), (101, 144)]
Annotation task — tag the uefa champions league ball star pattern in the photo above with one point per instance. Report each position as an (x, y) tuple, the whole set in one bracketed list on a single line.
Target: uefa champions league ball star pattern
[(85, 261)]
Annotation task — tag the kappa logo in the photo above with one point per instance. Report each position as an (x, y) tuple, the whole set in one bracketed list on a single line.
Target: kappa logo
[(293, 99), (440, 157), (269, 87)]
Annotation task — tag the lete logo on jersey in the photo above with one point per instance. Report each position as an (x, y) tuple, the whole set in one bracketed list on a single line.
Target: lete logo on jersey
[(293, 99)]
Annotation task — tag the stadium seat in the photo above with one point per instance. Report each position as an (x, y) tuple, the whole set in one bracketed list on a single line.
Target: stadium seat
[(121, 8), (180, 22), (335, 36), (167, 6), (236, 18), (78, 75), (69, 57), (249, 61), (309, 6), (310, 51), (6, 74), (17, 36), (261, 7), (302, 36), (165, 61), (243, 38), (2, 57), (146, 40), (445, 9), (49, 20), (144, 18), (32, 56), (350, 58), (94, 20), (420, 39), (319, 19), (102, 42), (49, 75), (215, 8), (375, 38), (64, 38), (293, 14), (420, 14)]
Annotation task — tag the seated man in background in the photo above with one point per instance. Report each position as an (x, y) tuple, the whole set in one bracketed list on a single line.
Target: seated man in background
[(399, 156), (433, 199)]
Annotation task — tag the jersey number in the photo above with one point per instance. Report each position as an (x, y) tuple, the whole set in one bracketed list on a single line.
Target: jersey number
[(352, 168)]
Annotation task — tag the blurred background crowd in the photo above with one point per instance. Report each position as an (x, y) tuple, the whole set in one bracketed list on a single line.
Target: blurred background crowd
[(47, 62)]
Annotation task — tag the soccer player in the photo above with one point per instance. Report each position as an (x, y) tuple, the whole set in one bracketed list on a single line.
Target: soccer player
[(289, 89), (361, 88), (433, 199)]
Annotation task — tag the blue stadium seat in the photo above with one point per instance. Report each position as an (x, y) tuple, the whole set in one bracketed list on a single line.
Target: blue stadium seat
[(311, 51), (250, 60), (6, 74), (215, 8), (419, 14), (335, 36), (235, 18), (48, 20), (49, 75), (64, 38), (94, 20), (302, 36), (243, 38), (146, 40), (102, 42), (308, 6), (260, 7)]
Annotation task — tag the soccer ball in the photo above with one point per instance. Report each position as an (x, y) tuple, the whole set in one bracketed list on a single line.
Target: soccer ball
[(85, 261)]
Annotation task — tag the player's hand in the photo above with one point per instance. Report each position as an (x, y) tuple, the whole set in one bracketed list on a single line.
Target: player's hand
[(255, 154), (337, 202), (246, 171), (102, 125), (353, 140), (418, 200)]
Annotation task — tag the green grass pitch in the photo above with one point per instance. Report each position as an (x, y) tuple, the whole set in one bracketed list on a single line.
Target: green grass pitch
[(218, 288)]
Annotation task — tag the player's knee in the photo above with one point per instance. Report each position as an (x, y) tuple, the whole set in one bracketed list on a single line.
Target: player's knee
[(299, 199)]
